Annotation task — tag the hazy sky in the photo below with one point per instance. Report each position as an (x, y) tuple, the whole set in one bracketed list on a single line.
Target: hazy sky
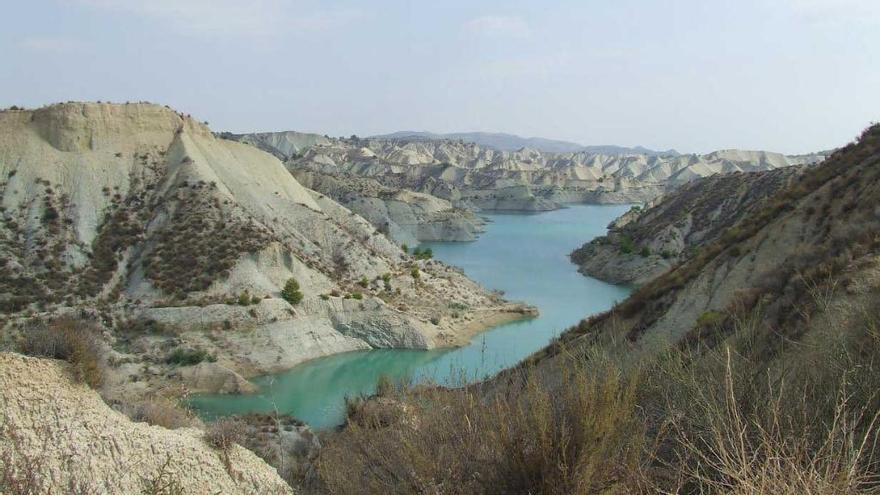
[(695, 75)]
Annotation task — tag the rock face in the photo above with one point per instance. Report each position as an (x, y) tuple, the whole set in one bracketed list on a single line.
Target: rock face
[(478, 177), (406, 216), (644, 243), (143, 210), (281, 144), (77, 444)]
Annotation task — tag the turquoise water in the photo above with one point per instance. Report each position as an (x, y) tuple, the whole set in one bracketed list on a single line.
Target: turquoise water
[(525, 255)]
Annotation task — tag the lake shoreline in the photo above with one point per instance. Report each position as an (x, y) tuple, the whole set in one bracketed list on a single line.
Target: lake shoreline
[(523, 255)]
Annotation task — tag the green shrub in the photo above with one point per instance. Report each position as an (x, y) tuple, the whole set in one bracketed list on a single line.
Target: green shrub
[(357, 295), (291, 292), (423, 254), (645, 252), (363, 282), (627, 246), (244, 299), (189, 357)]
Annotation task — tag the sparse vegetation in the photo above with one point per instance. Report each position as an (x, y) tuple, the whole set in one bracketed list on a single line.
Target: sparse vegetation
[(201, 242)]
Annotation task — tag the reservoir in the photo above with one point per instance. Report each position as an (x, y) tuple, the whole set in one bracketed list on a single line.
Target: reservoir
[(525, 255)]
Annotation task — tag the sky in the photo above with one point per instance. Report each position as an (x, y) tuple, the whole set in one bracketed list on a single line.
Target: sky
[(696, 75)]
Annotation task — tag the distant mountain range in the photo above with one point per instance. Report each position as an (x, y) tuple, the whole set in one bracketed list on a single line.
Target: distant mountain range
[(510, 142)]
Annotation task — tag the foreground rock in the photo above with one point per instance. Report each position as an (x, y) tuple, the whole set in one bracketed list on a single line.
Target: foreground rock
[(644, 243), (75, 443)]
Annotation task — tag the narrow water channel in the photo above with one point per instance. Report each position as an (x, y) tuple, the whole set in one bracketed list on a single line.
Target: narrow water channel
[(523, 254)]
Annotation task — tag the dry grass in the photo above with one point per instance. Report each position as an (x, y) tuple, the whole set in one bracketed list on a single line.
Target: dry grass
[(460, 441)]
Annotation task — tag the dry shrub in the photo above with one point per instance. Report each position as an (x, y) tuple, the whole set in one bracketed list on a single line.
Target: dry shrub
[(72, 340), (224, 433), (161, 411), (731, 420), (775, 448), (164, 481), (536, 440)]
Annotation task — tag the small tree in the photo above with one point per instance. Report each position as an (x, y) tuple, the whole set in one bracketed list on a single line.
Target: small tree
[(291, 292), (244, 299)]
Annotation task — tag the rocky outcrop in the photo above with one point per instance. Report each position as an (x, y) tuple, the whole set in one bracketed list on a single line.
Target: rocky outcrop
[(645, 242), (144, 211), (74, 443)]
